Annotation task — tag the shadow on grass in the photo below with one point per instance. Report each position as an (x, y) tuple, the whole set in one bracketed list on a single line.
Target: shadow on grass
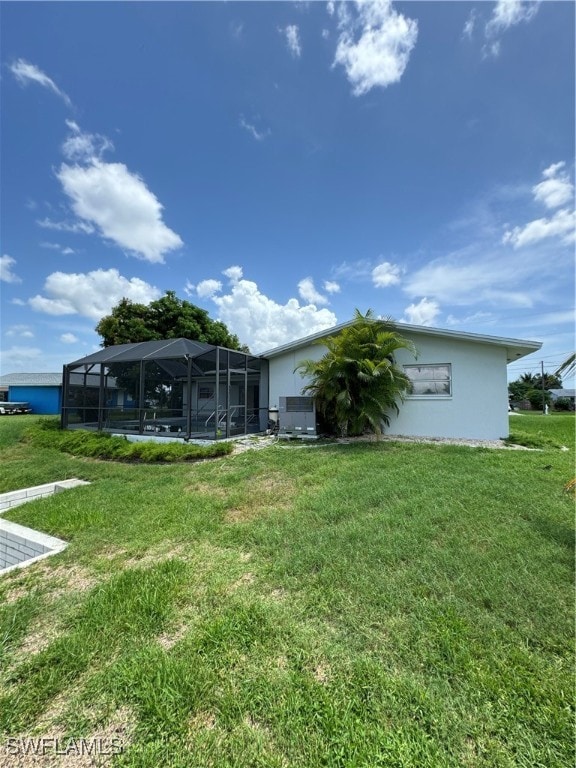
[(559, 533)]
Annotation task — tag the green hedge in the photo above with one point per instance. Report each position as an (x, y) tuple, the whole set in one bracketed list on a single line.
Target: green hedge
[(99, 445)]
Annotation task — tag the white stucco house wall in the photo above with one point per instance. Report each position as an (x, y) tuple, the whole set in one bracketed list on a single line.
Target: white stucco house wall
[(459, 380)]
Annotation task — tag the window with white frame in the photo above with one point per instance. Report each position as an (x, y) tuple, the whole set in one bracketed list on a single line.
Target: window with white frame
[(430, 380), (205, 393)]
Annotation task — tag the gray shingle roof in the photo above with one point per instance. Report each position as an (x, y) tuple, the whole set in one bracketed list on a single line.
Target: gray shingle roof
[(562, 393), (31, 379)]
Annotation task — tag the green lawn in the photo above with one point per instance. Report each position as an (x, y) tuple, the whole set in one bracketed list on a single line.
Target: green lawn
[(368, 604)]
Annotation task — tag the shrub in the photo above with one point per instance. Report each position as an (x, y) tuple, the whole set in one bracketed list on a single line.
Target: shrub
[(564, 404), (535, 396), (99, 445)]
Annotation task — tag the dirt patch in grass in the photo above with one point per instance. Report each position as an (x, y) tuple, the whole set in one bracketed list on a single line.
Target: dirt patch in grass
[(169, 639), (244, 581), (54, 581), (147, 557), (322, 673), (38, 639), (15, 592), (67, 578), (208, 489), (270, 491), (202, 721)]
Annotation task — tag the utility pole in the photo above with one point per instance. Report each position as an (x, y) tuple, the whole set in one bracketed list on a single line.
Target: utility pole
[(543, 389)]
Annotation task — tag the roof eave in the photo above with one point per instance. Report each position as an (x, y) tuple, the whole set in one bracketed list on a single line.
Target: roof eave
[(516, 348)]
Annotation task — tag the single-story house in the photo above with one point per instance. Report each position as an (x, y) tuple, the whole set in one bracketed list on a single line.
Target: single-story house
[(460, 387), (570, 394), (179, 387), (42, 390)]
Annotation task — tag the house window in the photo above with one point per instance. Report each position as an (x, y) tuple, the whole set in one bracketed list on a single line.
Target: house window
[(205, 393), (429, 380)]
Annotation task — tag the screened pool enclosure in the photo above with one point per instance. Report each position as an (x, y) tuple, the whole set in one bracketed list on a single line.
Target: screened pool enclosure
[(171, 388)]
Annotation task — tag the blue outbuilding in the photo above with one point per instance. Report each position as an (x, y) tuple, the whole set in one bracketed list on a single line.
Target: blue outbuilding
[(42, 390)]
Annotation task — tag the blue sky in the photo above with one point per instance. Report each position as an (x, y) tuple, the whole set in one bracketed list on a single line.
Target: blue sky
[(281, 164)]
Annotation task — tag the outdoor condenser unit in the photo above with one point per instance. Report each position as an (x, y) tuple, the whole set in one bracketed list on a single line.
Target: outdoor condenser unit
[(297, 417)]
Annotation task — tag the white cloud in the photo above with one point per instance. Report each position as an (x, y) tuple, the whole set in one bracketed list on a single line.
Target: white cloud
[(562, 225), (91, 295), (263, 323), (292, 34), (21, 358), (374, 46), (20, 332), (24, 72), (120, 204), (556, 189), (207, 288), (484, 318), (308, 292), (453, 282), (233, 273), (68, 338), (508, 13), (385, 274), (252, 130), (84, 146), (236, 30), (491, 50), (66, 250), (331, 286), (6, 273), (66, 226), (470, 24), (423, 313)]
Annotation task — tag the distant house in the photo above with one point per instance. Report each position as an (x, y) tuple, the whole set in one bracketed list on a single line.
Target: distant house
[(42, 390), (570, 394)]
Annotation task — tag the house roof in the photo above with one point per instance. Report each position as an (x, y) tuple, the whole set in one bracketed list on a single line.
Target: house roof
[(31, 379), (515, 348), (562, 393)]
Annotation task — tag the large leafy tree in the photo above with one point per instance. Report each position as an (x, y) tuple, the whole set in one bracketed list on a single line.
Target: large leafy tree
[(528, 382), (166, 318), (357, 382)]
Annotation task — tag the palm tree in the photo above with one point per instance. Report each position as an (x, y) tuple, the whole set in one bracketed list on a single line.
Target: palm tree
[(568, 366), (357, 382)]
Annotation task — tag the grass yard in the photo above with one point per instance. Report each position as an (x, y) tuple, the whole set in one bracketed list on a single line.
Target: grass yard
[(354, 605)]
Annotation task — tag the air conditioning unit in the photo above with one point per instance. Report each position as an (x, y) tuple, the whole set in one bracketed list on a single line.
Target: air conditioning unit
[(297, 417)]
